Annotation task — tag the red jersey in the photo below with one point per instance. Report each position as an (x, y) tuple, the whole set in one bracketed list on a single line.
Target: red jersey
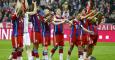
[(20, 26), (58, 28)]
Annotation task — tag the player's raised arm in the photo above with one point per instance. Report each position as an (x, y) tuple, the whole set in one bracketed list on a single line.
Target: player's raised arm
[(93, 16), (47, 16), (18, 6), (26, 4), (57, 23), (35, 9), (82, 17)]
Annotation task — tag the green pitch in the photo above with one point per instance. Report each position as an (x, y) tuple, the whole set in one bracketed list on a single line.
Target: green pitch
[(103, 51)]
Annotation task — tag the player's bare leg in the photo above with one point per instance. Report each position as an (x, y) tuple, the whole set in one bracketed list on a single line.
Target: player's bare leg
[(46, 43), (70, 51), (13, 55), (27, 46), (61, 52), (80, 52), (53, 51), (90, 50), (26, 37), (20, 47), (10, 57), (28, 51), (45, 53), (35, 51), (85, 52)]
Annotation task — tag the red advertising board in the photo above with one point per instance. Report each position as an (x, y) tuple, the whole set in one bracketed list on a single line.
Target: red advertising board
[(106, 32)]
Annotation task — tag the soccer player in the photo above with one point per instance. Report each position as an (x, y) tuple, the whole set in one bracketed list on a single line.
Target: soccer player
[(20, 38), (91, 29), (83, 38), (90, 26), (93, 33), (75, 35), (58, 34), (36, 26), (17, 34), (94, 21), (13, 56), (26, 36), (46, 32)]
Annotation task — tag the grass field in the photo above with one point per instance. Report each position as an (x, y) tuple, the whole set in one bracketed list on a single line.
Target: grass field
[(103, 51)]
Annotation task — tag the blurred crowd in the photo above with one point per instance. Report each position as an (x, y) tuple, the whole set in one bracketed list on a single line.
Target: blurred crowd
[(68, 6)]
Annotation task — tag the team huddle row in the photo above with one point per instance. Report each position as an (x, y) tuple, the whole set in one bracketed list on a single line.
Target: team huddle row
[(84, 33)]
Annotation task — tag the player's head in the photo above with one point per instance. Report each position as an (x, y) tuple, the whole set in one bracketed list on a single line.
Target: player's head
[(100, 16), (30, 5), (90, 4), (58, 11), (65, 5), (46, 11), (84, 11)]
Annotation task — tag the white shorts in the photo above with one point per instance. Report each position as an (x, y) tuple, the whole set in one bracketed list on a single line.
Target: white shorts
[(26, 39)]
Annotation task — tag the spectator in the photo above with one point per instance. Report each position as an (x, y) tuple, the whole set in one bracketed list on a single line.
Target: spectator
[(0, 16), (107, 10), (65, 12), (54, 6), (1, 3), (74, 5)]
